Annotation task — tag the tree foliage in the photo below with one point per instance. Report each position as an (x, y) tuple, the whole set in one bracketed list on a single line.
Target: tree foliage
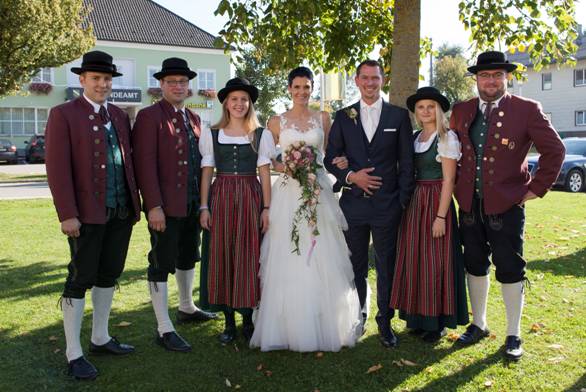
[(271, 83), (450, 78), (39, 33)]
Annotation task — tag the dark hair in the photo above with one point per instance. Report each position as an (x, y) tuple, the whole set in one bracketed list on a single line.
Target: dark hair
[(300, 72), (370, 63)]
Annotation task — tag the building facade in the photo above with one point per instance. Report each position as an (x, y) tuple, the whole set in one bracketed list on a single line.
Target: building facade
[(560, 89), (138, 34)]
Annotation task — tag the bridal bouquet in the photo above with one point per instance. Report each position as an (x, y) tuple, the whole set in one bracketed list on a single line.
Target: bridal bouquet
[(301, 164)]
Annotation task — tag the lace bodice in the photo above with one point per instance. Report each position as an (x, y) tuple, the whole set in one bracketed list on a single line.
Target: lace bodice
[(310, 132)]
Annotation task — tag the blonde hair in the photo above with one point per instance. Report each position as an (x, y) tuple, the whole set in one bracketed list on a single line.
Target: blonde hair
[(441, 121), (251, 122)]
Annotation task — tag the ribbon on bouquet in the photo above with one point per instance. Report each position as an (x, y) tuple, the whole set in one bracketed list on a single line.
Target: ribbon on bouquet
[(311, 248)]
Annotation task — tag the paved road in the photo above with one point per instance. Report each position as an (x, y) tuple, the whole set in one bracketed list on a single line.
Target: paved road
[(24, 190), (26, 169)]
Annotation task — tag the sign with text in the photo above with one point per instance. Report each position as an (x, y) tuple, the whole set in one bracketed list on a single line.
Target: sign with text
[(133, 95)]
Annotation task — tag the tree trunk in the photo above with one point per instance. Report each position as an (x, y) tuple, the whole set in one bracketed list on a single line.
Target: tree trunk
[(405, 55)]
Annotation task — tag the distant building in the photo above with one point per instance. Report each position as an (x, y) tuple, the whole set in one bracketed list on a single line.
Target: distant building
[(562, 92), (139, 34)]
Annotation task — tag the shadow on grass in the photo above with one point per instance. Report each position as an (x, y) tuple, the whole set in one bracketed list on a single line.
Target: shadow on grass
[(578, 386), (573, 264)]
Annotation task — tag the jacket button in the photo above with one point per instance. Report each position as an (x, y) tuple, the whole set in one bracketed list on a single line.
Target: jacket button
[(174, 120), (178, 185), (185, 162), (97, 154), (491, 159), (177, 130), (180, 151), (491, 171), (494, 148), (96, 128), (96, 194), (499, 124), (497, 135), (97, 141), (102, 166), (180, 163), (91, 117)]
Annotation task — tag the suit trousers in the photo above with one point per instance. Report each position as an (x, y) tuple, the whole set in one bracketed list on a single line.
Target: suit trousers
[(98, 254), (384, 239), (500, 235), (176, 247)]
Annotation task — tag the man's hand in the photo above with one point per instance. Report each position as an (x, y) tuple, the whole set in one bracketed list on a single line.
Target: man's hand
[(528, 196), (156, 218), (70, 227), (365, 181)]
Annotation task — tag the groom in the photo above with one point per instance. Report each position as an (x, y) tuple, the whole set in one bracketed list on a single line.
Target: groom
[(376, 137)]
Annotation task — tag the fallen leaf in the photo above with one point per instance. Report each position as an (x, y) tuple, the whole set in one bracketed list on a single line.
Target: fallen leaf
[(429, 370), (53, 338), (557, 359), (565, 300), (539, 276), (319, 354), (398, 363), (268, 373), (228, 383), (453, 336), (236, 348), (555, 346), (237, 386), (536, 327), (408, 362), (492, 336), (374, 368), (543, 298), (488, 383), (57, 350), (259, 367), (123, 324), (316, 390), (583, 390)]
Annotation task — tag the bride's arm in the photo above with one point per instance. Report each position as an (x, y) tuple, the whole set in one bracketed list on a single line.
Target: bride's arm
[(274, 125)]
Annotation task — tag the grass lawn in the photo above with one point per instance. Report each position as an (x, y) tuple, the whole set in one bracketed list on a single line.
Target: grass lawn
[(33, 256), (5, 177)]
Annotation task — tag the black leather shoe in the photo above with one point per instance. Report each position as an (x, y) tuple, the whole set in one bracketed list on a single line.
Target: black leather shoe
[(112, 347), (513, 349), (247, 331), (473, 335), (172, 341), (387, 337), (434, 336), (198, 316), (228, 336), (81, 369), (416, 331)]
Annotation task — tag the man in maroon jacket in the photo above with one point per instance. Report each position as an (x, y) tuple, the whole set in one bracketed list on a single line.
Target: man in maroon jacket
[(166, 155), (91, 177), (497, 130)]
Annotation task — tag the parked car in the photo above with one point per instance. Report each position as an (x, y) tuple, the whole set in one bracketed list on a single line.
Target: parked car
[(573, 171), (34, 152), (8, 152)]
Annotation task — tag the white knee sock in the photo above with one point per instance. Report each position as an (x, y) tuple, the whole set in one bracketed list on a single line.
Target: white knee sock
[(102, 302), (478, 290), (513, 296), (185, 287), (159, 298), (72, 316)]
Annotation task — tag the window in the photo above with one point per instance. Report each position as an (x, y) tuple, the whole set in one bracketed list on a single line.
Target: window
[(22, 121), (45, 75), (126, 68), (151, 81), (580, 77), (206, 79), (546, 81), (581, 117)]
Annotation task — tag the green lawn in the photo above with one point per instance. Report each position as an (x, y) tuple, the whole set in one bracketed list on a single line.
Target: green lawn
[(5, 177), (33, 256)]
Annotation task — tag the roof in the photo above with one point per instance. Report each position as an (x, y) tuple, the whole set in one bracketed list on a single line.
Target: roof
[(144, 21), (523, 57)]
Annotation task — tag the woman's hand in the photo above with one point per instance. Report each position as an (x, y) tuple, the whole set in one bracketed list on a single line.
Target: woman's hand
[(264, 220), (205, 219), (340, 162), (438, 229), (278, 166)]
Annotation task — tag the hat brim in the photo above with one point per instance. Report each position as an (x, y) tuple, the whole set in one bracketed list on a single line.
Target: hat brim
[(174, 71), (251, 90), (80, 70), (443, 101), (484, 67)]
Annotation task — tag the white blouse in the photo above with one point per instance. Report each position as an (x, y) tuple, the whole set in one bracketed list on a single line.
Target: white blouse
[(448, 147), (266, 148)]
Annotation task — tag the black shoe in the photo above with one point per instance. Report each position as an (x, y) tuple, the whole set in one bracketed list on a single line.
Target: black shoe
[(387, 337), (172, 341), (81, 369), (513, 349), (228, 336), (247, 331), (112, 347), (198, 316), (416, 331), (434, 336), (364, 316), (473, 335)]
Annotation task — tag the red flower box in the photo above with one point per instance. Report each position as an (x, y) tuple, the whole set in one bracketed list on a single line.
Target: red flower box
[(40, 88)]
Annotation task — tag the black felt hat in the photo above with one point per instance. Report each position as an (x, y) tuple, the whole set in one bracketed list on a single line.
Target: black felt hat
[(238, 84), (96, 61), (174, 66), (492, 60), (428, 93)]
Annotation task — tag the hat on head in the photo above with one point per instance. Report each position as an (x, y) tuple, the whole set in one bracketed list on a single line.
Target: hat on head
[(492, 60), (238, 84), (96, 61), (428, 93), (174, 66)]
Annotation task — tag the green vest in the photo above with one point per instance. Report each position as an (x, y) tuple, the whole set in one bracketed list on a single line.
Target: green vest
[(478, 135), (426, 166), (236, 158), (116, 194)]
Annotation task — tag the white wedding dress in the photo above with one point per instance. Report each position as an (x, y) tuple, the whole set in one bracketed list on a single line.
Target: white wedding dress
[(308, 301)]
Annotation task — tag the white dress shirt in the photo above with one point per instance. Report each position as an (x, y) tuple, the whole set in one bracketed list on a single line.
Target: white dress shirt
[(482, 104), (370, 116), (97, 106)]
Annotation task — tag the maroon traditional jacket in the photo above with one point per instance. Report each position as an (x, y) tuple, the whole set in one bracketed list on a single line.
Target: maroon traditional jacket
[(514, 127), (75, 143), (161, 157)]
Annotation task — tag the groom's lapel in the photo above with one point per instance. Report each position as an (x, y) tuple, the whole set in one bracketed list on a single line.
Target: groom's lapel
[(358, 124), (384, 118)]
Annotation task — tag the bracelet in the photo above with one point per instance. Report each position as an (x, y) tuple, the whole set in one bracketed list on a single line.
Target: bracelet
[(441, 217), (201, 208), (265, 207)]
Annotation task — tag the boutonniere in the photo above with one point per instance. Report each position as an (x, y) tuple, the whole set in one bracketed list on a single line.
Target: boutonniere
[(352, 113)]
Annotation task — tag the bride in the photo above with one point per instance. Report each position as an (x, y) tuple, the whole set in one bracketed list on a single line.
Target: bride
[(308, 298)]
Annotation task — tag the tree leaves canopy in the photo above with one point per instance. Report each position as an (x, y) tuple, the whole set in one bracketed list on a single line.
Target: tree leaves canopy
[(39, 33)]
